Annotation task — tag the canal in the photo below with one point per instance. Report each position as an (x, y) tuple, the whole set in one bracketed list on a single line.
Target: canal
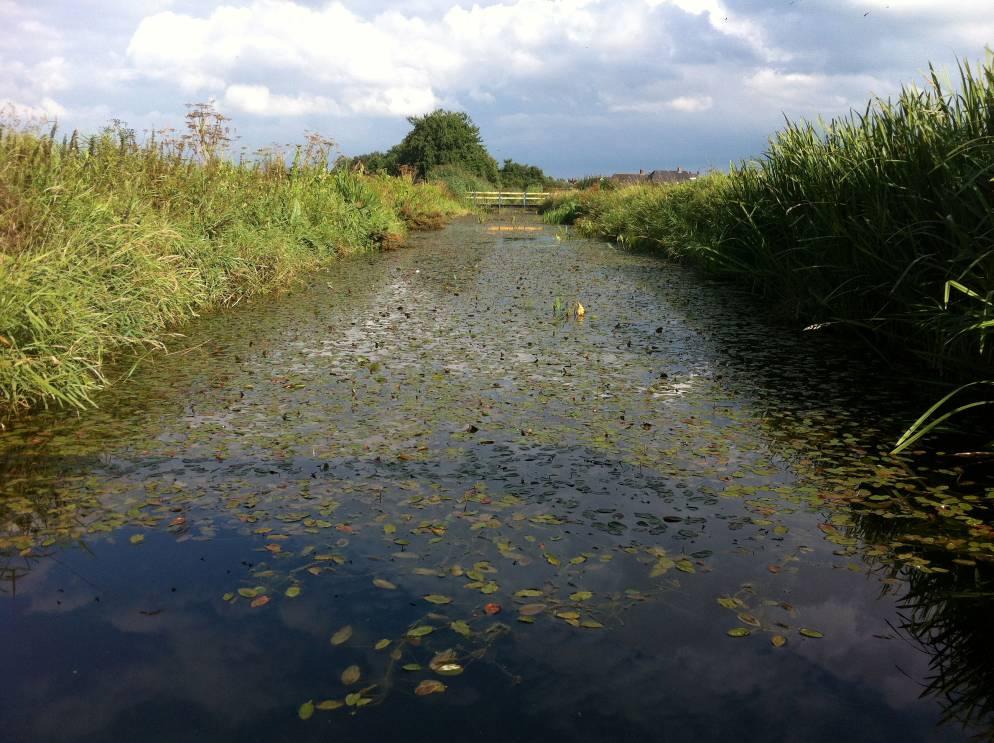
[(428, 497)]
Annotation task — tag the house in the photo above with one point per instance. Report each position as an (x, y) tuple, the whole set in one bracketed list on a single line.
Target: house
[(655, 177)]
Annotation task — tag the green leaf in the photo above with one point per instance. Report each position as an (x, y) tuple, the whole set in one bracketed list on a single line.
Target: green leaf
[(382, 644), (528, 593), (812, 633), (581, 596), (293, 592), (342, 635), (460, 627), (530, 610), (663, 565), (739, 632), (384, 584), (437, 598), (420, 631), (306, 710)]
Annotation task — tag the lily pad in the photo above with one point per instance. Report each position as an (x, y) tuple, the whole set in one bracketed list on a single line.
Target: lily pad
[(528, 593), (437, 598), (530, 610)]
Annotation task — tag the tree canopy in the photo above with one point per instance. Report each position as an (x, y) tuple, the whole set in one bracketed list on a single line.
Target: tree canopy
[(445, 138), (446, 145), (520, 176)]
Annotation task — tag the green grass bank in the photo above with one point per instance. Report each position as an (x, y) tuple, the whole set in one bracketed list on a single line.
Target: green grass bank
[(106, 244), (881, 221)]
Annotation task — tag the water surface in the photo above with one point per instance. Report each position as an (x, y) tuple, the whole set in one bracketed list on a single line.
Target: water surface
[(590, 503)]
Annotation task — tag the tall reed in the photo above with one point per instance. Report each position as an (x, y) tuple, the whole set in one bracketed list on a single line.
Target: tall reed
[(863, 221), (105, 242)]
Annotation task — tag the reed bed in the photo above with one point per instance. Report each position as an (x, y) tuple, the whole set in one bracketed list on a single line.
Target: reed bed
[(881, 221), (106, 243)]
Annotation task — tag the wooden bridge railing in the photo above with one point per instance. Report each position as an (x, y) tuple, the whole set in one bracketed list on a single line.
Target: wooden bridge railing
[(507, 198)]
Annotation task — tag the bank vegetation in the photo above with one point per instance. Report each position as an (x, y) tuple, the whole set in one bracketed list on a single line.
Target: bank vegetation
[(107, 242), (880, 223)]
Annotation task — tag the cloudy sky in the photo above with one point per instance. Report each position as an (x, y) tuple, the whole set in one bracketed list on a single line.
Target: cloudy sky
[(575, 86)]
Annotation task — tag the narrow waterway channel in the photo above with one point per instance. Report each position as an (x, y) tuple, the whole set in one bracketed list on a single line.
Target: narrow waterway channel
[(422, 499)]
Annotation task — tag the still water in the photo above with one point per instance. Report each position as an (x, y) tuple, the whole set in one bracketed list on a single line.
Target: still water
[(421, 499)]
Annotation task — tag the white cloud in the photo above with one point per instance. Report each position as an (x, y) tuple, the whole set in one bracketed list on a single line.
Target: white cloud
[(692, 104), (18, 112), (391, 64), (683, 104), (256, 99), (798, 93), (704, 76), (727, 22)]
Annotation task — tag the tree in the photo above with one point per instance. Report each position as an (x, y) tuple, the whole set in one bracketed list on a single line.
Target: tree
[(445, 138), (380, 162), (521, 176)]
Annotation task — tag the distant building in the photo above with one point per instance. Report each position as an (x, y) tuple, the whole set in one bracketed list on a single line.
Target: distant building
[(655, 177)]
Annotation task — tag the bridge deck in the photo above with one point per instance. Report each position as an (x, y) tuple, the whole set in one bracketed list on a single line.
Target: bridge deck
[(501, 199)]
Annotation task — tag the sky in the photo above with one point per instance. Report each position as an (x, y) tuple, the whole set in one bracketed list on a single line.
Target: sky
[(577, 87)]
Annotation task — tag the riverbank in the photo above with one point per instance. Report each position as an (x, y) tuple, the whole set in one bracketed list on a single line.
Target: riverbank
[(105, 244), (881, 222)]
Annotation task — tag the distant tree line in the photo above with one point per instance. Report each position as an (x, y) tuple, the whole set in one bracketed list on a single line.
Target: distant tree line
[(447, 146)]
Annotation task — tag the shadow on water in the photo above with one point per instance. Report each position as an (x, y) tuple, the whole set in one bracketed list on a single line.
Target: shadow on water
[(944, 608), (410, 439)]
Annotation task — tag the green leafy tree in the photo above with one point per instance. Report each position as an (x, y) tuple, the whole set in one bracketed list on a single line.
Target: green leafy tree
[(380, 162), (446, 138), (520, 176)]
